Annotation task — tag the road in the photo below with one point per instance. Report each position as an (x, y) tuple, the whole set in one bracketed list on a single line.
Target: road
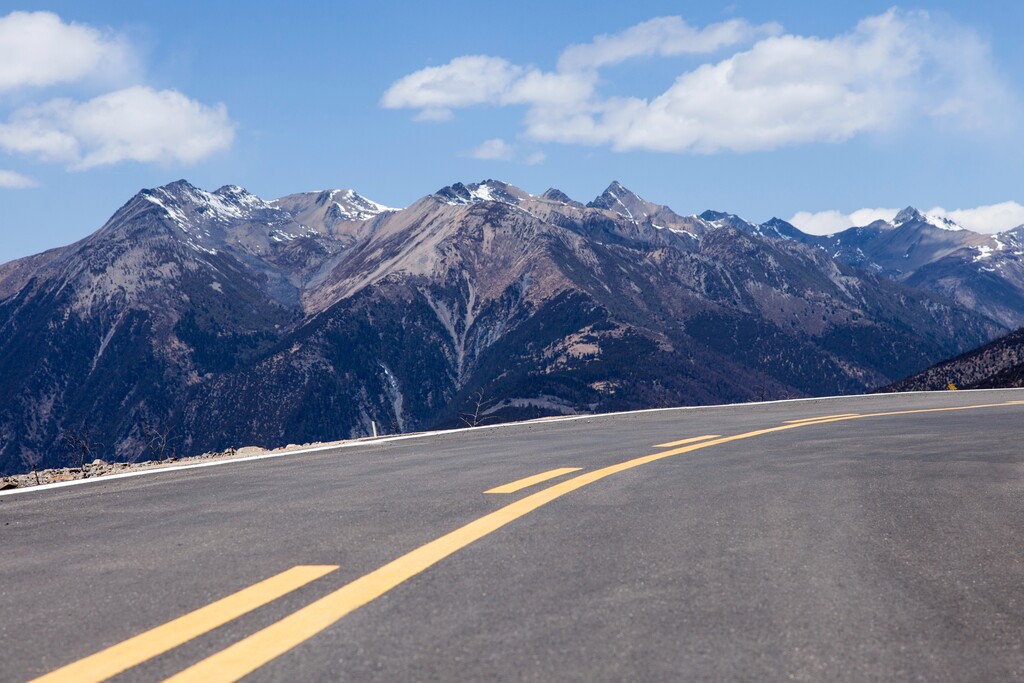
[(863, 538)]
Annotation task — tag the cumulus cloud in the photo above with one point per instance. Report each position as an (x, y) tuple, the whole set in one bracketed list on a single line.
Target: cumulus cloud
[(888, 71), (133, 124), (462, 82), (39, 49), (991, 218), (127, 122), (15, 181), (829, 222), (496, 149), (987, 219)]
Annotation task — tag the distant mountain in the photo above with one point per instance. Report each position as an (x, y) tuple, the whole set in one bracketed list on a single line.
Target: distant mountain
[(227, 320), (998, 364), (983, 272)]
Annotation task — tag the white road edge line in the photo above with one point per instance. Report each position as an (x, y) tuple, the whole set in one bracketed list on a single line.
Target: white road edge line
[(420, 435)]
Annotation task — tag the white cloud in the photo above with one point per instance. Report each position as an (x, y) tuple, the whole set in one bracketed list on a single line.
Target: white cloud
[(16, 181), (559, 90), (30, 131), (480, 80), (495, 149), (987, 219), (462, 82), (437, 114), (991, 218), (892, 70), (38, 49), (134, 124), (830, 222), (662, 36)]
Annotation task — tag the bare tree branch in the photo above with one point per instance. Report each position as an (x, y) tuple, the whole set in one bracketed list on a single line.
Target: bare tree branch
[(81, 443), (31, 459), (477, 417), (159, 441)]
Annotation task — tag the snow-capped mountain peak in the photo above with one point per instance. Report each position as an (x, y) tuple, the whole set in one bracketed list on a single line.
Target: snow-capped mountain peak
[(720, 219), (485, 191), (207, 218), (339, 205), (911, 215), (354, 206), (184, 202)]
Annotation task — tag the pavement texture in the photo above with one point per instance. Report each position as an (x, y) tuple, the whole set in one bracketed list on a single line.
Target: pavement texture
[(881, 546)]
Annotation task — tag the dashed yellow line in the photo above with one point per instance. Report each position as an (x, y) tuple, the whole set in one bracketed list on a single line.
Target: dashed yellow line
[(156, 641), (526, 482), (685, 441)]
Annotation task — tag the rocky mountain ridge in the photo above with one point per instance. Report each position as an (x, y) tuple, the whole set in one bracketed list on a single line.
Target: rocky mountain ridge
[(983, 272), (222, 319), (996, 365)]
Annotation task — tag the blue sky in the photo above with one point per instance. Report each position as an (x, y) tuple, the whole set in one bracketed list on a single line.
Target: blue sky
[(829, 114)]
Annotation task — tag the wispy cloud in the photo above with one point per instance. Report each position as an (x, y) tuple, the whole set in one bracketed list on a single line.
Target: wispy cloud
[(494, 149), (15, 181), (891, 70), (499, 149), (663, 37)]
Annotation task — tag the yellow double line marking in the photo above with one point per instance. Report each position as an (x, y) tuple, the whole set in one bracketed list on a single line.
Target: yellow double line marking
[(694, 439), (254, 651), (811, 420), (145, 646)]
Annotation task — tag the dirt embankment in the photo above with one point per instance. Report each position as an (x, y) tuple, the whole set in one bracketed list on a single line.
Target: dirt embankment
[(101, 468)]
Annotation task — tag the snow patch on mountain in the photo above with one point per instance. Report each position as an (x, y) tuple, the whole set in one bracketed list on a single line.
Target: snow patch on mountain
[(486, 191), (622, 205), (912, 215), (356, 207)]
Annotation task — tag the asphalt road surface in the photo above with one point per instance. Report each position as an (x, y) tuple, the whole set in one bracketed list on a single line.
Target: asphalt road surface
[(884, 541)]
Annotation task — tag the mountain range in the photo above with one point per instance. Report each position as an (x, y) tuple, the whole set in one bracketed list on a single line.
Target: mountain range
[(222, 320)]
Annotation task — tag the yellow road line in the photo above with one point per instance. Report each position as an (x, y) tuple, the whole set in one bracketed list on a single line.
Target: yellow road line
[(684, 441), (527, 482), (156, 641), (822, 417), (252, 652)]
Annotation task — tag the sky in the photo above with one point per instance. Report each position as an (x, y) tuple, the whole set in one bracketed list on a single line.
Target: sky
[(828, 116)]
